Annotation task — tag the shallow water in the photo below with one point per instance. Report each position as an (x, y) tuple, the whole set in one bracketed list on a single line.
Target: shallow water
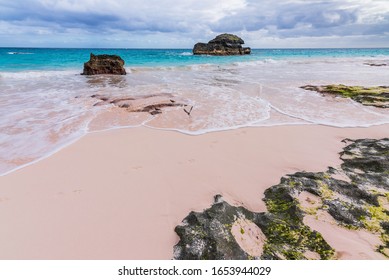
[(45, 104)]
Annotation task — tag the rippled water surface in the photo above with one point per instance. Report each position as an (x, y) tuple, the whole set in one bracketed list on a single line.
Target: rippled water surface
[(45, 103)]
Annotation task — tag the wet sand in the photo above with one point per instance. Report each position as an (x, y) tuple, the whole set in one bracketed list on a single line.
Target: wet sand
[(119, 194)]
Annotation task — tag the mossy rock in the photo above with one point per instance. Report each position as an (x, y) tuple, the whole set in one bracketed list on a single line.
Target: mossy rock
[(359, 202), (369, 96)]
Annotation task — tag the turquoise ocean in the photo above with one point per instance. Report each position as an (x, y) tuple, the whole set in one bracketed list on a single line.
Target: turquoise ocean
[(45, 104), (22, 59)]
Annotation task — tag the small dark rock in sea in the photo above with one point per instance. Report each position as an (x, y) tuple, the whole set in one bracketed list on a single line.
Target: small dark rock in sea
[(359, 201), (224, 44), (104, 64)]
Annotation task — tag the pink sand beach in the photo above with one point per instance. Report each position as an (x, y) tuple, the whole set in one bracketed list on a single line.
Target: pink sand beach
[(119, 194)]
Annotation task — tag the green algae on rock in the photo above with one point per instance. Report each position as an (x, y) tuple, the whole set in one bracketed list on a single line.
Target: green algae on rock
[(288, 237), (208, 236), (368, 96), (360, 201)]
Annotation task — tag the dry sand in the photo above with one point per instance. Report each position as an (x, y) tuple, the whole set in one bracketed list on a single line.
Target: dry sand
[(119, 194)]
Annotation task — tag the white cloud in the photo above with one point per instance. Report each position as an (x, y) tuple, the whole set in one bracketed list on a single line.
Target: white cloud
[(165, 21)]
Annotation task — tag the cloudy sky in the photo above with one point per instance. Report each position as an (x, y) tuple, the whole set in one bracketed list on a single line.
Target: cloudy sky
[(181, 23)]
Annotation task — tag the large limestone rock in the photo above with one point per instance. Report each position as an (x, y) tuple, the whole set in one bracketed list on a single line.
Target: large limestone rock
[(104, 64), (224, 44)]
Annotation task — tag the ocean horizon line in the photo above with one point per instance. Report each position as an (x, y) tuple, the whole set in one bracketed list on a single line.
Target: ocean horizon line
[(189, 48)]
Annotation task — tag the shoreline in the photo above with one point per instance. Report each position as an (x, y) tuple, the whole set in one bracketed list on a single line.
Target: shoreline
[(83, 202), (175, 130)]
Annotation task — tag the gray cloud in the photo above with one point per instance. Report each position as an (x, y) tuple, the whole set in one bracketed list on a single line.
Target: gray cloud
[(35, 13), (193, 19), (290, 18)]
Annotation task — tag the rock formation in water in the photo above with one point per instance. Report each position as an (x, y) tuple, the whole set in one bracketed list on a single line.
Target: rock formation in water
[(368, 96), (359, 200), (104, 64), (224, 44)]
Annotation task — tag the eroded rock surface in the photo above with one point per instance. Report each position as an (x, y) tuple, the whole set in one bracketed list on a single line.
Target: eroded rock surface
[(224, 44), (104, 64), (360, 202), (208, 235)]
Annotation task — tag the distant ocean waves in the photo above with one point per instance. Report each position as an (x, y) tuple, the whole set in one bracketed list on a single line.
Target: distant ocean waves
[(20, 53)]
